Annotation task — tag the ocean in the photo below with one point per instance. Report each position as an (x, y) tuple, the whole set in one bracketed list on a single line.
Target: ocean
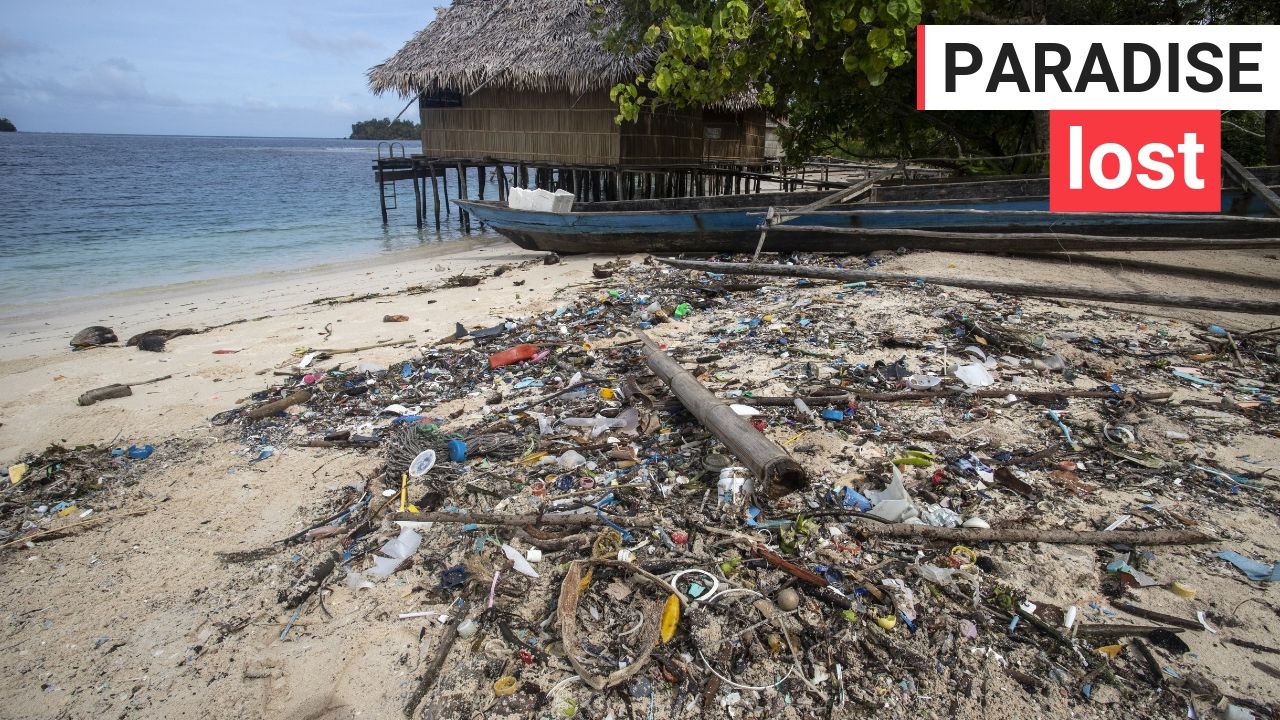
[(92, 214)]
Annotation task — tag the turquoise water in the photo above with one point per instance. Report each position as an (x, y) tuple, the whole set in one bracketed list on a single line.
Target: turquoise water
[(91, 214)]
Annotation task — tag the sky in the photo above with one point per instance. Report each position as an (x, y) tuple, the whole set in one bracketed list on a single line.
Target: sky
[(270, 68)]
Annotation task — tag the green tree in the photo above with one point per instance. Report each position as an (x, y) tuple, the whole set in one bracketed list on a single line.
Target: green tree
[(385, 129), (834, 69), (6, 126)]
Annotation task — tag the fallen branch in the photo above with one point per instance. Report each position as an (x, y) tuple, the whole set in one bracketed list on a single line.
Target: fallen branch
[(1044, 290), (778, 473), (575, 520), (1016, 535), (362, 348), (64, 531), (854, 396), (114, 390), (1157, 616), (432, 672)]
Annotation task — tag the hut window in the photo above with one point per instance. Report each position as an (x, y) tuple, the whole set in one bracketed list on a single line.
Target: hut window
[(711, 133), (440, 100)]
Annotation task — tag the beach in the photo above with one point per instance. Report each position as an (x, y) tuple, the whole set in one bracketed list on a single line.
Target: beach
[(166, 607)]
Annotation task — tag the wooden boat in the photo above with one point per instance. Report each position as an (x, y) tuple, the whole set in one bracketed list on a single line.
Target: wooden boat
[(905, 214)]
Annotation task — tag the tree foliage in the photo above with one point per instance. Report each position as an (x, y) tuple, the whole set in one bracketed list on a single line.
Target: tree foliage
[(838, 72), (385, 129), (6, 125)]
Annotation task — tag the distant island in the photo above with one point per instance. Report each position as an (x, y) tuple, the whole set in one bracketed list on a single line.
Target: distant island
[(6, 126), (385, 129)]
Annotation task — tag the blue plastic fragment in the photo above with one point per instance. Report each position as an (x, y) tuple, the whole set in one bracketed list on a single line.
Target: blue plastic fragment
[(457, 450), (1217, 330), (1252, 569), (832, 415), (139, 453)]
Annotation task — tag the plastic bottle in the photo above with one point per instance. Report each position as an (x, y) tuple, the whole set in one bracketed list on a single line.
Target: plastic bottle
[(511, 356)]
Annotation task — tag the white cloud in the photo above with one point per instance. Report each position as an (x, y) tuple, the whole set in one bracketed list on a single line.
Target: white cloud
[(334, 45)]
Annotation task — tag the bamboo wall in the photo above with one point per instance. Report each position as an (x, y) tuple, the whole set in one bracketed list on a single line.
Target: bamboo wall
[(741, 136), (524, 126), (560, 128), (667, 136)]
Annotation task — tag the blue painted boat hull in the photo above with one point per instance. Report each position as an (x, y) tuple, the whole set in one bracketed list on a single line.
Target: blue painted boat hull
[(732, 224)]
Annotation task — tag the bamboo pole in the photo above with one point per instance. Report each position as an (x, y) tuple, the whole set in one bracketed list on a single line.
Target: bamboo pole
[(776, 471), (970, 536), (913, 395), (1048, 241), (1251, 307)]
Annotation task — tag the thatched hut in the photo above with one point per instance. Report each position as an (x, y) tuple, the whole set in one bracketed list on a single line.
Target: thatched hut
[(529, 81)]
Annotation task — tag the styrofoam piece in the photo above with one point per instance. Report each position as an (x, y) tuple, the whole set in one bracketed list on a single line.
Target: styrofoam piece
[(521, 565)]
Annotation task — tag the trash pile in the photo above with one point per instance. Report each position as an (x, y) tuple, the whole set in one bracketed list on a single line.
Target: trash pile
[(50, 494), (978, 499)]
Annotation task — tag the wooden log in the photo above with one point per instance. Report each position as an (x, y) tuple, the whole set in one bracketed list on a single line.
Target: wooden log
[(777, 472), (968, 536), (271, 408), (1250, 182), (1251, 307), (1018, 241)]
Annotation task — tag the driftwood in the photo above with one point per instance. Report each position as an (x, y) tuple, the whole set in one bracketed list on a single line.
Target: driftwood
[(321, 352), (1107, 630), (968, 536), (1142, 612), (846, 397), (1253, 307), (777, 472), (115, 390), (271, 408), (432, 671), (574, 520), (953, 241)]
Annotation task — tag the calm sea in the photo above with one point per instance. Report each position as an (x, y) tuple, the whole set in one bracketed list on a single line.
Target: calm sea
[(88, 214)]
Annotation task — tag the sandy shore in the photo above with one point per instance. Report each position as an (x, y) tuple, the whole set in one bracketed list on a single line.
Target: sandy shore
[(40, 377), (140, 617)]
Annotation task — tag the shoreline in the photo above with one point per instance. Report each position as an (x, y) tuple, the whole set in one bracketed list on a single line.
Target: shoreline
[(255, 325), (19, 321)]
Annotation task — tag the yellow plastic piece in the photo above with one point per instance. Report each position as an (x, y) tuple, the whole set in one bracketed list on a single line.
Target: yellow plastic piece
[(966, 552), (606, 394), (887, 622), (17, 472), (911, 460), (1111, 650), (404, 491), (66, 511), (670, 618), (1186, 592), (504, 686)]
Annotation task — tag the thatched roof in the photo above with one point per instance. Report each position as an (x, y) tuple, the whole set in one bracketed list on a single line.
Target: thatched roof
[(541, 45)]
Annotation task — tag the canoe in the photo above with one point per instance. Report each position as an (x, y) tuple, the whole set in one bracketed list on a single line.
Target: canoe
[(889, 217)]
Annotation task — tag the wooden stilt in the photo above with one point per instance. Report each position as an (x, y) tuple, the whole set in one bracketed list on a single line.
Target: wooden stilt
[(435, 192), (417, 198), (382, 195), (463, 219)]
